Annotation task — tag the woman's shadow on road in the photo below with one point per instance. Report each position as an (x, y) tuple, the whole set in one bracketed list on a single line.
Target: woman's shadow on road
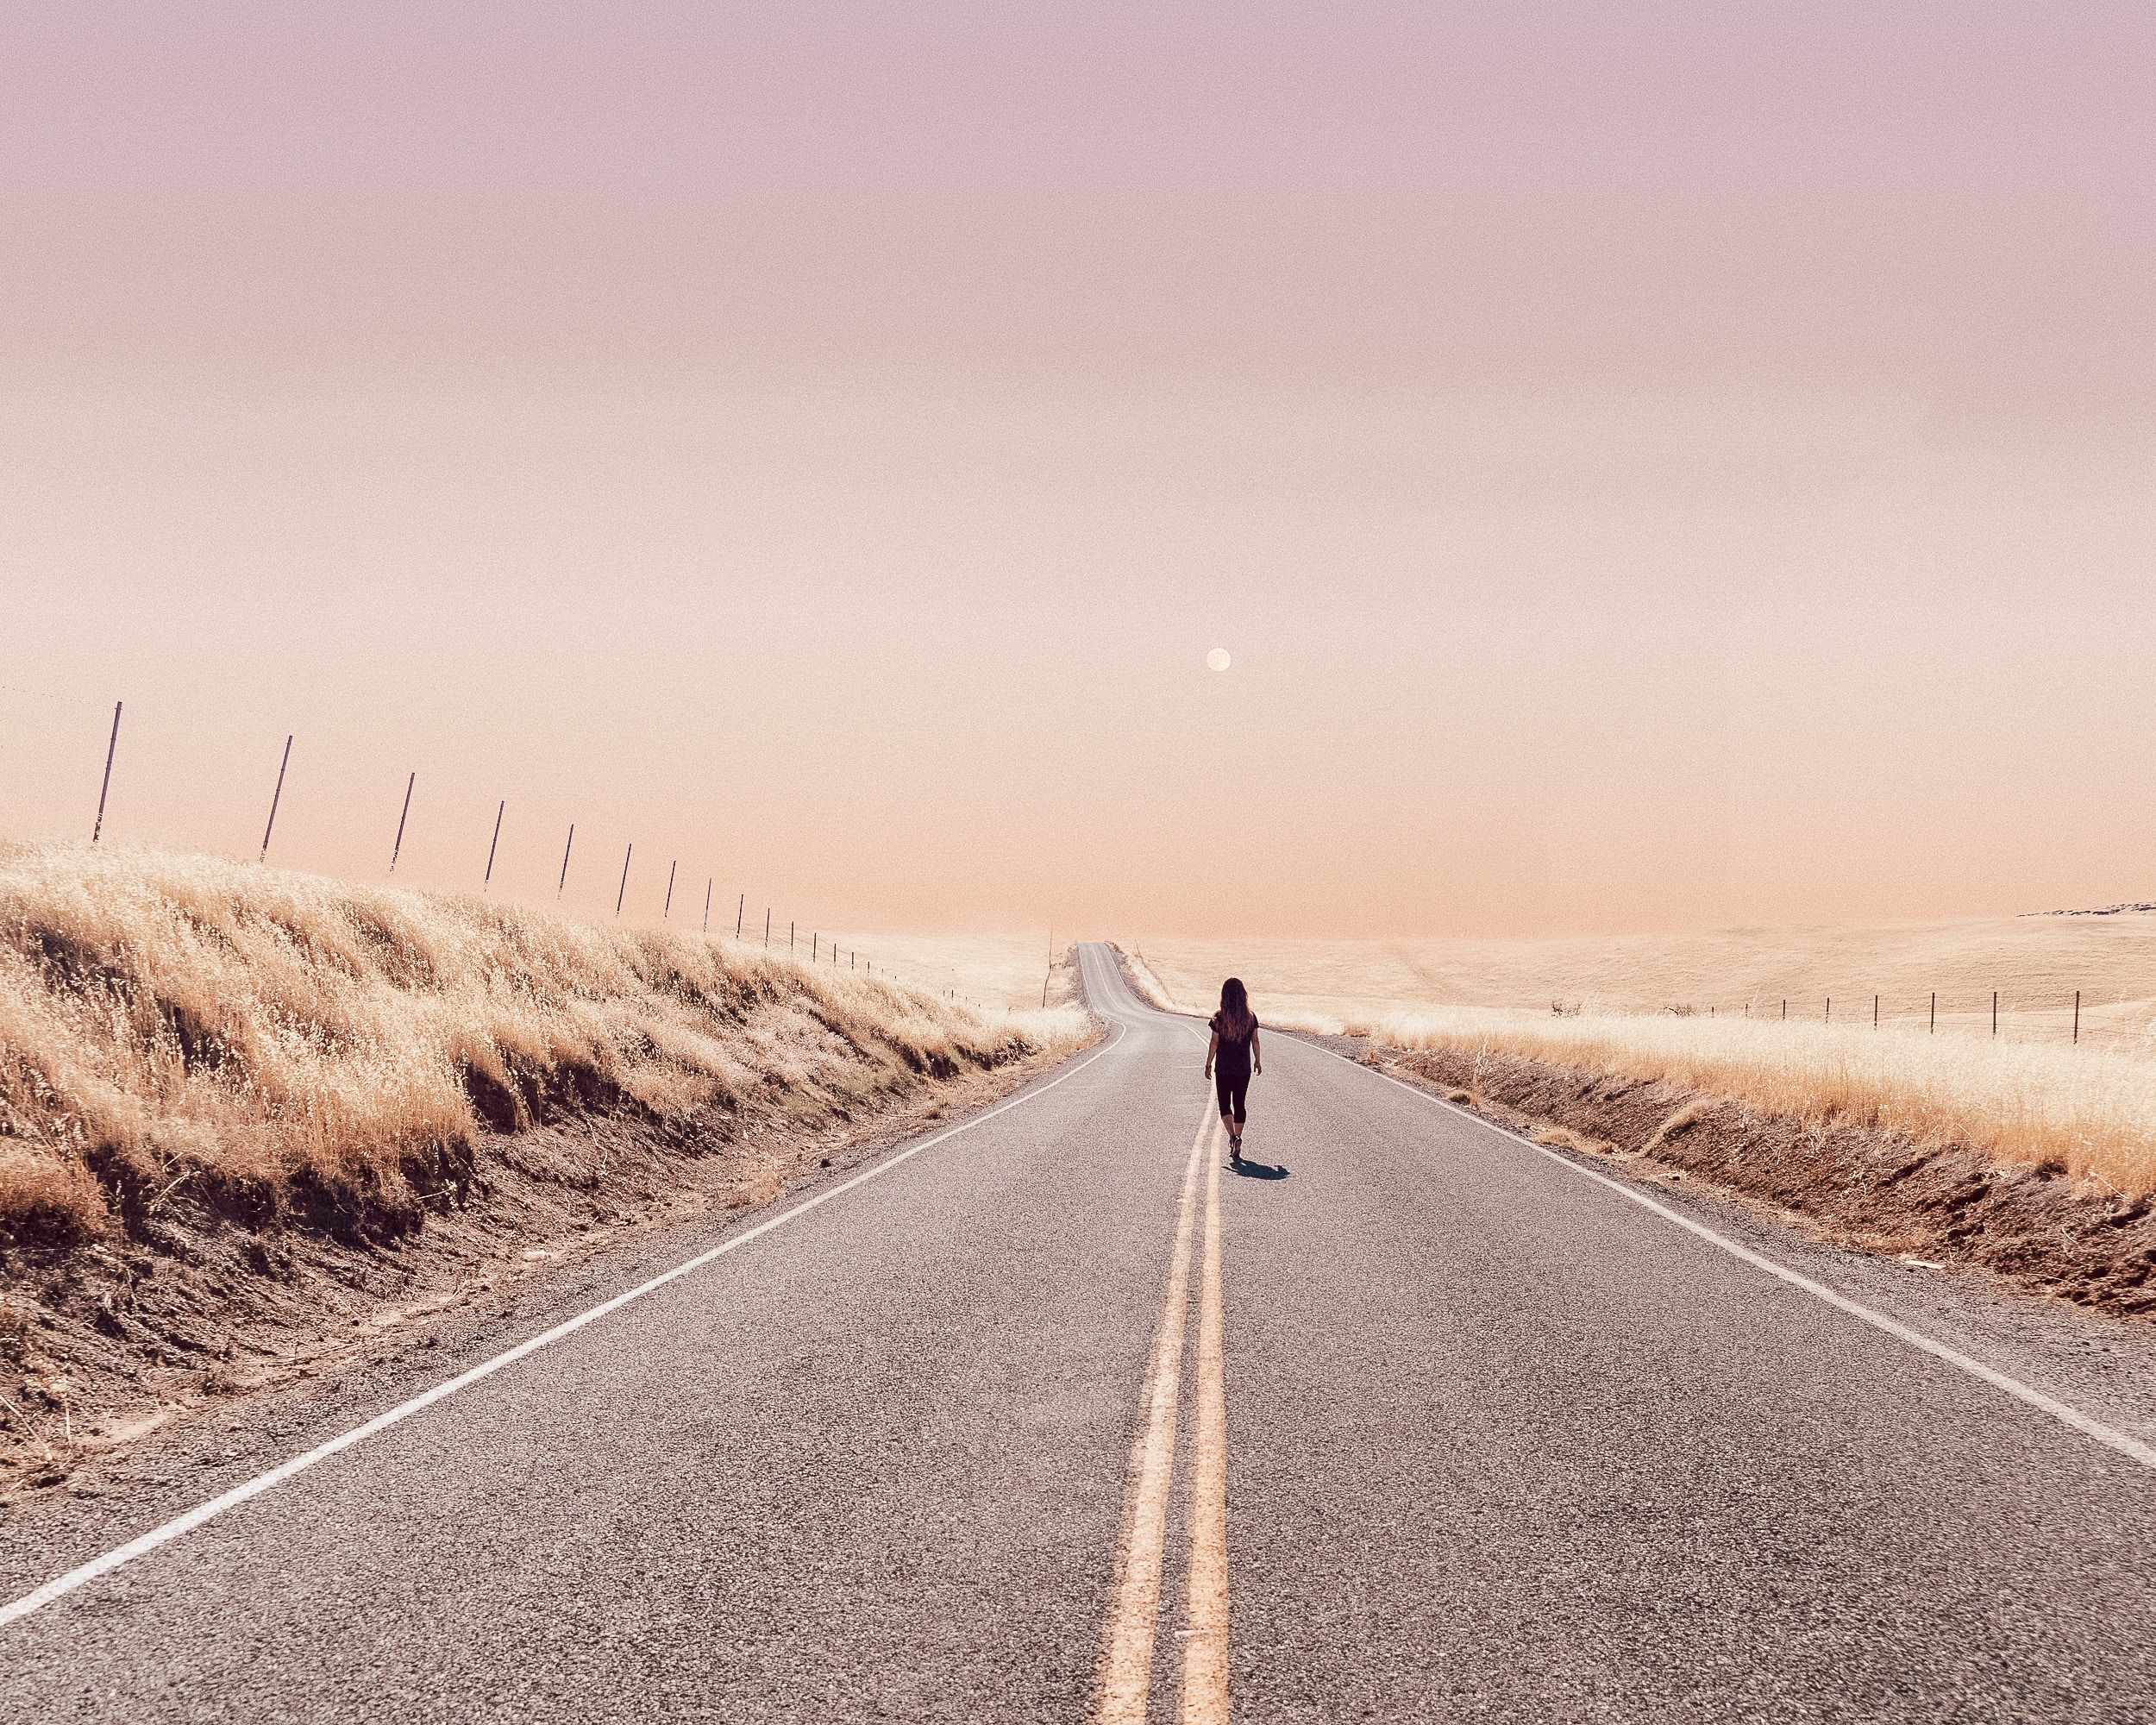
[(1257, 1170)]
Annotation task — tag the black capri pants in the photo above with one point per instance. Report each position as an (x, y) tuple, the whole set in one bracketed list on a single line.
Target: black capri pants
[(1233, 1088)]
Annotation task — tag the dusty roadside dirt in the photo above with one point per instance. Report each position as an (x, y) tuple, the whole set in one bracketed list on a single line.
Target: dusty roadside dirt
[(1946, 1205), (102, 1346)]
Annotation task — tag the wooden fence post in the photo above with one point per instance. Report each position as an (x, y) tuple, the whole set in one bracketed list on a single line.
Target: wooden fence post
[(111, 746)]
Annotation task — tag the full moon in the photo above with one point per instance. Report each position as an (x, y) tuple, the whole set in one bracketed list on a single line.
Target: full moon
[(1217, 658)]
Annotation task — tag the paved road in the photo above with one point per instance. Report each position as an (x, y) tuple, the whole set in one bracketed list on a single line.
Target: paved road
[(1058, 1420)]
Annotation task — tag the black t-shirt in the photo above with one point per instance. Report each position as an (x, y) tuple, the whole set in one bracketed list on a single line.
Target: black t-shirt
[(1234, 1053)]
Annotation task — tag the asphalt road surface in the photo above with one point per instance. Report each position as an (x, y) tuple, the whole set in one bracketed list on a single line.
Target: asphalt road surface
[(1058, 1418)]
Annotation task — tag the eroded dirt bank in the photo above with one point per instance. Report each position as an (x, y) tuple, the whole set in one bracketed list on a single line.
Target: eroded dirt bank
[(1949, 1205), (104, 1343)]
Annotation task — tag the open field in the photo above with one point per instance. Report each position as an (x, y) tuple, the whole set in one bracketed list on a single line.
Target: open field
[(2028, 1096), (2034, 962), (997, 967), (174, 1023)]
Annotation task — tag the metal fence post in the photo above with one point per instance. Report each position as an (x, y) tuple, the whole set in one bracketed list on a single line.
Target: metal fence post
[(276, 797), (740, 911), (494, 844), (397, 849), (2077, 1017), (624, 893), (561, 883), (112, 747), (707, 903), (669, 910), (1934, 1012), (1994, 1011)]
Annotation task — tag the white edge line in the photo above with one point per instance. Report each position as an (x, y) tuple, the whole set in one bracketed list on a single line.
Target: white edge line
[(2110, 1436), (141, 1545)]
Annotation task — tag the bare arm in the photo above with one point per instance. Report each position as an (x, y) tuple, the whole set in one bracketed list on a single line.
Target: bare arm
[(1257, 1060), (1212, 1049)]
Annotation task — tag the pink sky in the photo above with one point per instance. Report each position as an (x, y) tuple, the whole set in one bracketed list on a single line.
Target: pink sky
[(1652, 465)]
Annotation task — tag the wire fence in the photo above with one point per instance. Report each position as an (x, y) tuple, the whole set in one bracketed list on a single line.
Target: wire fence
[(803, 941), (2072, 1016)]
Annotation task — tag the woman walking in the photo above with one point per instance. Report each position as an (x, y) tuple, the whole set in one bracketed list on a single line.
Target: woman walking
[(1233, 1058)]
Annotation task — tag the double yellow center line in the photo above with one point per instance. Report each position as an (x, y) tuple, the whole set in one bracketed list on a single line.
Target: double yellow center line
[(1125, 1680)]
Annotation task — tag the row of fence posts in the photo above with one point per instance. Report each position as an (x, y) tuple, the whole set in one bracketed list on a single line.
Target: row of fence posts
[(621, 893), (1932, 1024)]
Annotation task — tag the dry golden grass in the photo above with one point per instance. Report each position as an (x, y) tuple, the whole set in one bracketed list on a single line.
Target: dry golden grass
[(2035, 963), (2028, 1096), (2091, 1110), (166, 1019), (997, 967)]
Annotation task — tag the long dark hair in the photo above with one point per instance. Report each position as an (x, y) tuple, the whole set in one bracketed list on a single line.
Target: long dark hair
[(1236, 1019)]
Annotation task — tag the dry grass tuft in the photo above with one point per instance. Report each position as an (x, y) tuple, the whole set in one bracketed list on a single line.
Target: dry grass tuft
[(270, 1042)]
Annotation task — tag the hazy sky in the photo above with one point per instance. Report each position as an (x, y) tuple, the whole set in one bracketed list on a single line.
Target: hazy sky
[(1652, 465)]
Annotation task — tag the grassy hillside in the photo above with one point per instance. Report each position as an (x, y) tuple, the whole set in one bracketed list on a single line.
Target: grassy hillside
[(186, 1029), (2034, 962), (998, 967)]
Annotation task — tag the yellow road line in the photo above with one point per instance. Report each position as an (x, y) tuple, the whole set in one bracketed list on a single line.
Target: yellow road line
[(1125, 1672), (1205, 1697)]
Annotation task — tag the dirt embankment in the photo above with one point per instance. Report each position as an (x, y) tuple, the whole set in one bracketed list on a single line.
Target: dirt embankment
[(105, 1342), (1947, 1204), (253, 1123)]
